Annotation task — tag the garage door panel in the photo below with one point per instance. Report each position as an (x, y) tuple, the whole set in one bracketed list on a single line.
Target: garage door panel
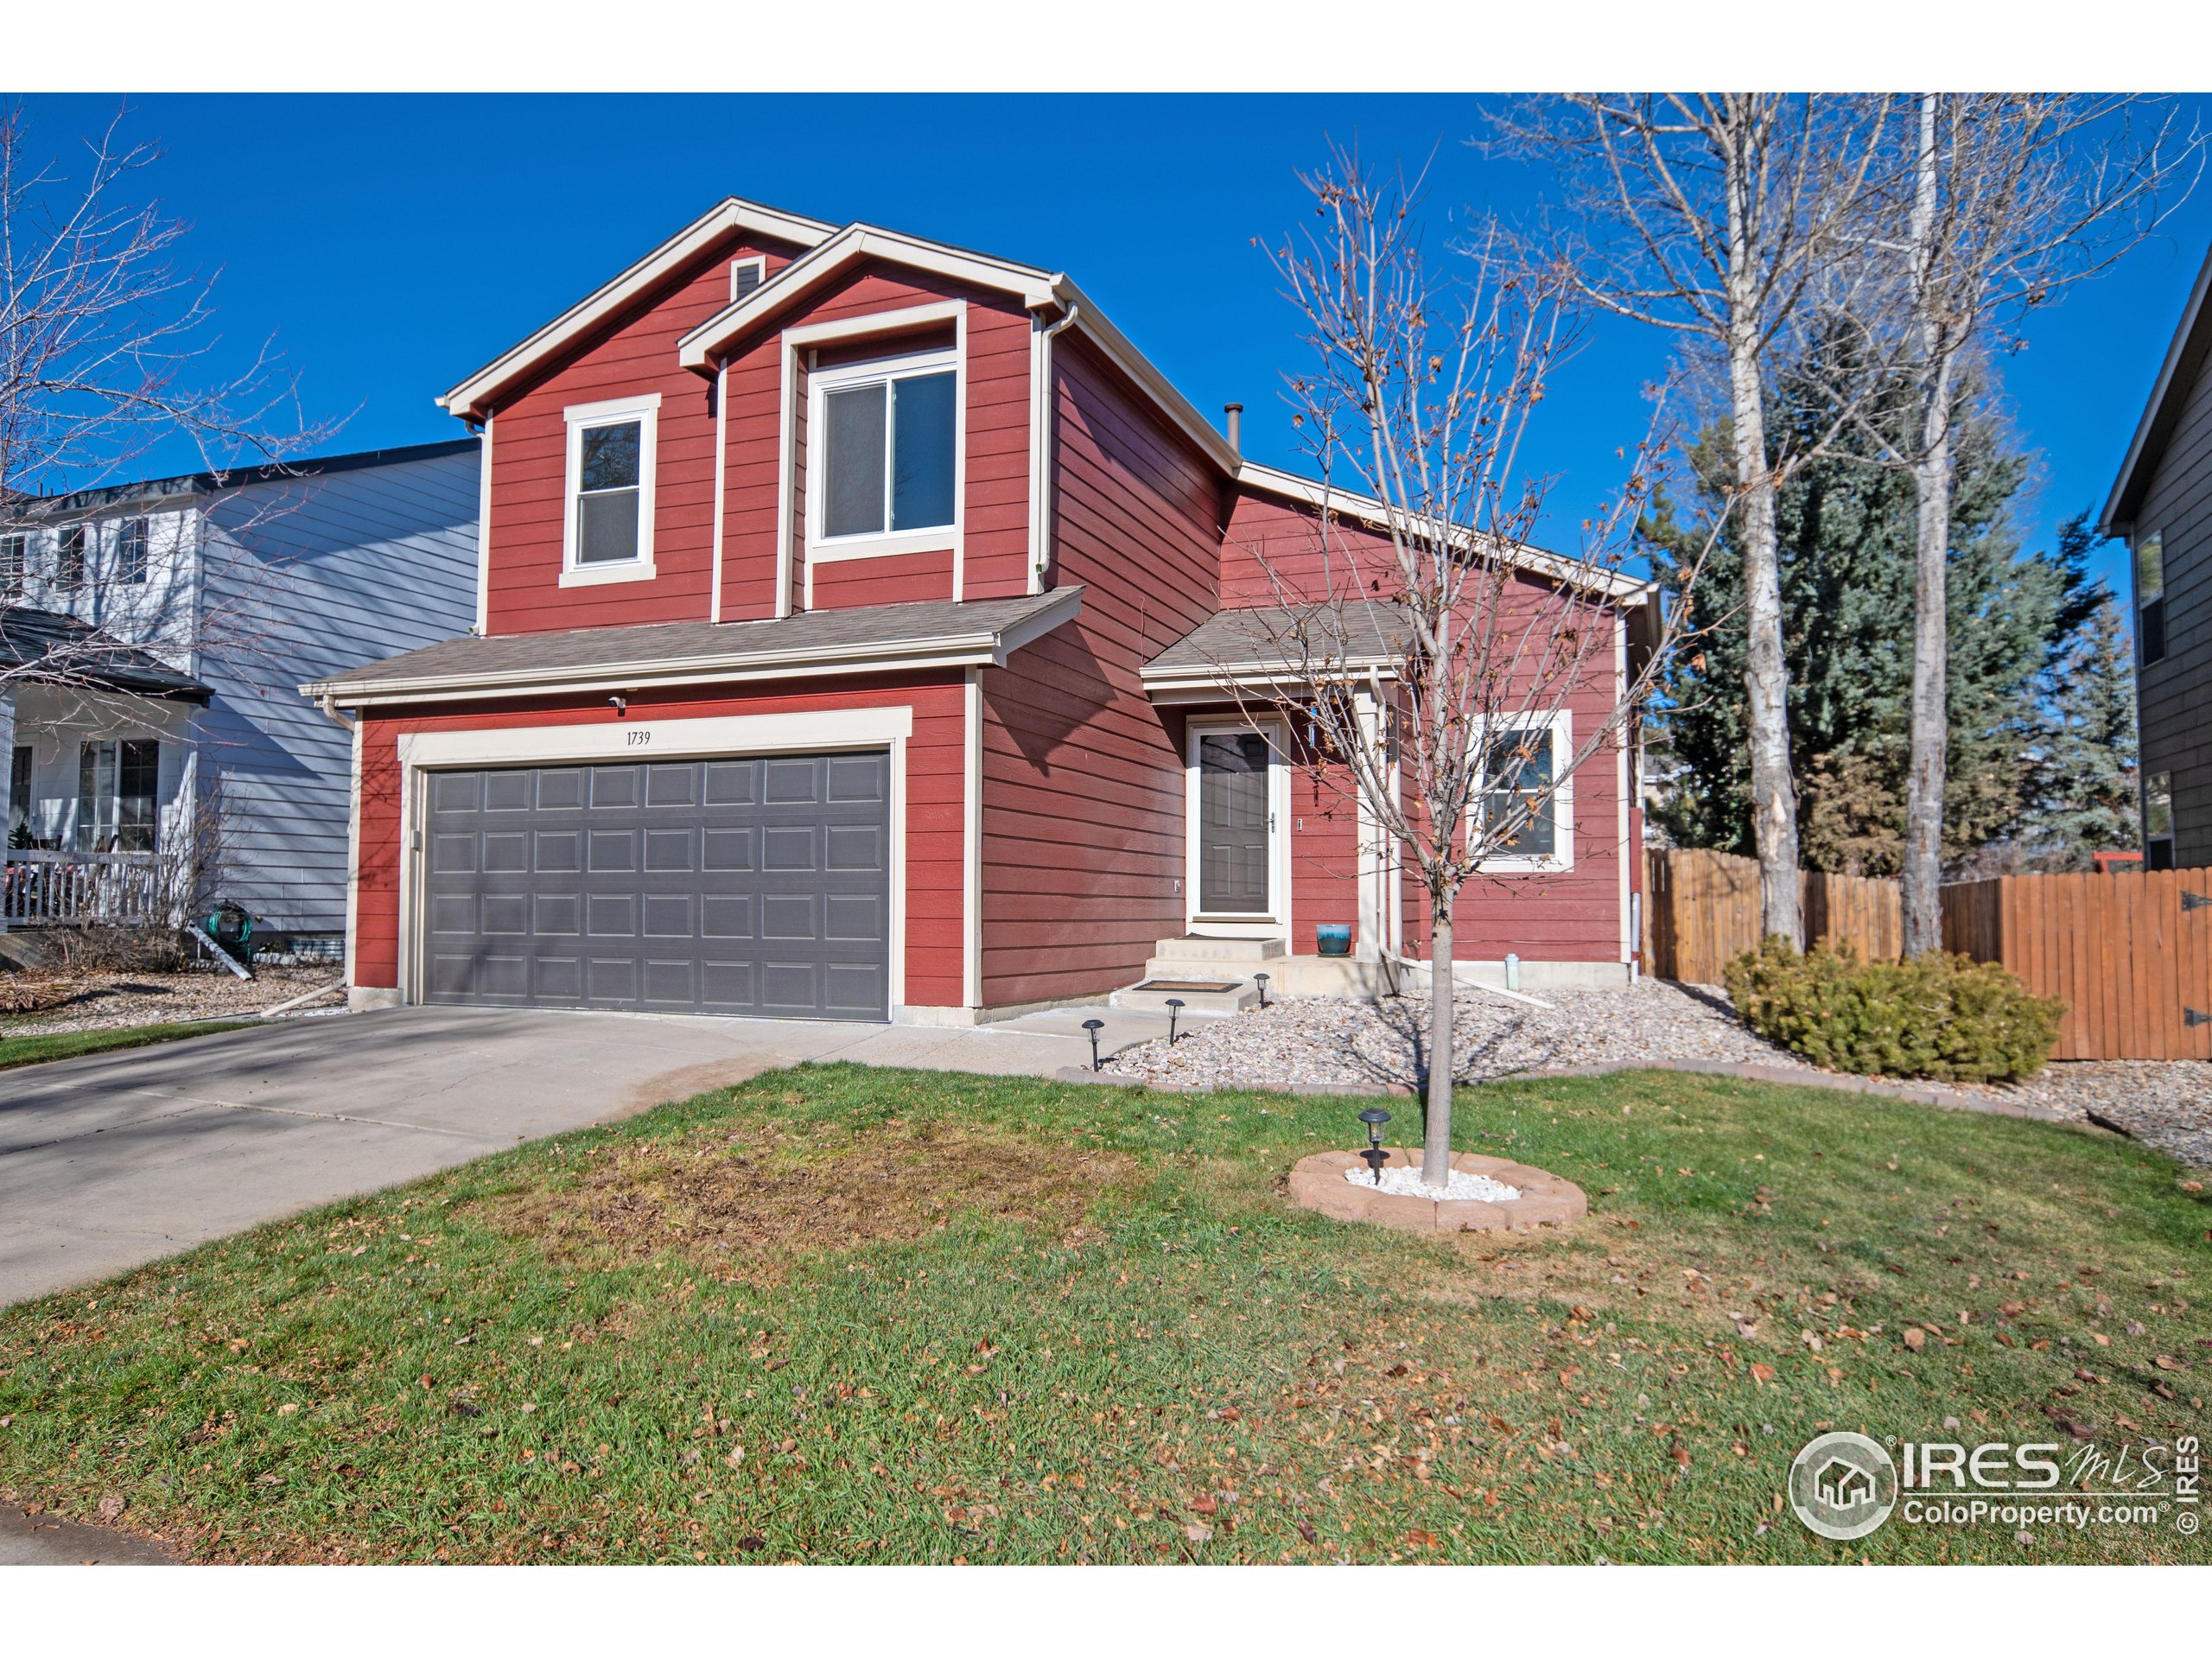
[(613, 786), (754, 885)]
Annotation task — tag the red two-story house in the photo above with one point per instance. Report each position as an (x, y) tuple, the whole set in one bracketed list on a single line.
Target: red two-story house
[(853, 617)]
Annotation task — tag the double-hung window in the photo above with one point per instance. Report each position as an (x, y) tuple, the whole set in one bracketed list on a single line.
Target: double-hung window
[(1522, 774), (2151, 599), (69, 558), (884, 468), (130, 538), (609, 534), (117, 789), (14, 548)]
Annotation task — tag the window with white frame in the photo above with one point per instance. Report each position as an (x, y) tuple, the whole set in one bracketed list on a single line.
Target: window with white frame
[(745, 275), (117, 789), (609, 535), (14, 559), (883, 471), (130, 546), (1522, 768)]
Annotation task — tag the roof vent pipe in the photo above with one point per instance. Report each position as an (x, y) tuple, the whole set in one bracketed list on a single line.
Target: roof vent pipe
[(1234, 414)]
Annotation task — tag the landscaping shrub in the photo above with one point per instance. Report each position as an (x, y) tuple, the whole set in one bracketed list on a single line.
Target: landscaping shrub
[(1946, 1017)]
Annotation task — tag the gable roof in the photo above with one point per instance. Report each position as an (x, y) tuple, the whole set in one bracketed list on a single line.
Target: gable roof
[(2185, 362), (1035, 288), (731, 214), (830, 252)]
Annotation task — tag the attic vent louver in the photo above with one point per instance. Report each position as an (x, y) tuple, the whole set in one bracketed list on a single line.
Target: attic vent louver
[(745, 275)]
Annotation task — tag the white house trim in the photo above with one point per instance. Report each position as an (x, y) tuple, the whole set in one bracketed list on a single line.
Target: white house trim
[(978, 647), (471, 398), (1576, 573), (885, 728), (1629, 941), (971, 842), (1276, 923), (483, 557), (1561, 723), (581, 419), (722, 453)]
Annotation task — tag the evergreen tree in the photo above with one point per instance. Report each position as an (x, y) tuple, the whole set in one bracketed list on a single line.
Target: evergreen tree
[(2083, 773), (1846, 539)]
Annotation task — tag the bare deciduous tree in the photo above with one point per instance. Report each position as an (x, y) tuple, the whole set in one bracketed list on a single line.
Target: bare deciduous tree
[(1427, 653), (1712, 215), (2001, 201), (108, 357)]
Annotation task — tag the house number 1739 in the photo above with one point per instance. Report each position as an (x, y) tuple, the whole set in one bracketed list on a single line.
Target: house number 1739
[(636, 737)]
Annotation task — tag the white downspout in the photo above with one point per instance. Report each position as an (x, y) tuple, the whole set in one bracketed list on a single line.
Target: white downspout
[(1041, 500)]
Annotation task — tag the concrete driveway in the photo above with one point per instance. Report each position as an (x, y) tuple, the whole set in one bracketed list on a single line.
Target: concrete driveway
[(118, 1159)]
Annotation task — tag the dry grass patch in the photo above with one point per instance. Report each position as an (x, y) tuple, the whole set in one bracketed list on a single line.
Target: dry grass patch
[(747, 1206)]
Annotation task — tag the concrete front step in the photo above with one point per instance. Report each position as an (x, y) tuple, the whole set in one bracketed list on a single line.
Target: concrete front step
[(1191, 947), (1212, 994)]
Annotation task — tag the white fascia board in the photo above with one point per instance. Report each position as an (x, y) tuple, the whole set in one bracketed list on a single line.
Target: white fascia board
[(1092, 323), (1034, 288), (981, 647), (731, 215), (1365, 508), (1223, 677)]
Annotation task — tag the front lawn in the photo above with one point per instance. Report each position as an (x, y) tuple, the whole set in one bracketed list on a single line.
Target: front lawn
[(845, 1314), (68, 1045)]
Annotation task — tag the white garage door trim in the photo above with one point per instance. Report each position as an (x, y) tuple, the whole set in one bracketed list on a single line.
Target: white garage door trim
[(643, 738)]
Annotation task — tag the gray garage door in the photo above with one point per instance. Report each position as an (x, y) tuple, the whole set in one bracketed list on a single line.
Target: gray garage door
[(757, 886)]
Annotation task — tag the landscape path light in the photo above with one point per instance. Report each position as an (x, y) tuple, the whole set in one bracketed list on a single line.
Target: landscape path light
[(1375, 1117), (1260, 980), (1092, 1026), (1174, 1008)]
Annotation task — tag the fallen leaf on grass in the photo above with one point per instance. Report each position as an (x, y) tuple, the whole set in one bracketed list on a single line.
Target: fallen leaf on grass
[(1915, 1338), (1762, 1373)]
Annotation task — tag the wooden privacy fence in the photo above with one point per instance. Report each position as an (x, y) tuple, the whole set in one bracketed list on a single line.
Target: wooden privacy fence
[(1701, 911), (2130, 952)]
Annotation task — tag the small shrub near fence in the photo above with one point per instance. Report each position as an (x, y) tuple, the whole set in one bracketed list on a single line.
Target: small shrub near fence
[(1948, 1017)]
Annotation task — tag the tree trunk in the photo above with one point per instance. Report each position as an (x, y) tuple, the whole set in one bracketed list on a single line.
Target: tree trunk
[(1931, 476), (1436, 1142), (1766, 674)]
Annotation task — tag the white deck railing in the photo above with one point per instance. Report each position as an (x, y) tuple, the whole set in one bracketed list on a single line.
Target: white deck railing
[(44, 888)]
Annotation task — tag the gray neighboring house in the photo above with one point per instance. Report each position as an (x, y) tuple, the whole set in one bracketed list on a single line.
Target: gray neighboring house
[(222, 594), (2162, 502)]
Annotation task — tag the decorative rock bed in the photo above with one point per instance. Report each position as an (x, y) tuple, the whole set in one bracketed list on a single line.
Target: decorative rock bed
[(1319, 1183)]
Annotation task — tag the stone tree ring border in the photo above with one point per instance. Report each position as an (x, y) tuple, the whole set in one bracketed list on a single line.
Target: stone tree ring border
[(1317, 1183)]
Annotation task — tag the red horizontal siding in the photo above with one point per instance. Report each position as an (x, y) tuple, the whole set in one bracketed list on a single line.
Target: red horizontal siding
[(893, 580), (936, 786), (995, 480), (632, 355), (1083, 777)]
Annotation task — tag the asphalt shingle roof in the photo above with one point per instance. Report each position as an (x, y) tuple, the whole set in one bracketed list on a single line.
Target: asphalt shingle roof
[(664, 650)]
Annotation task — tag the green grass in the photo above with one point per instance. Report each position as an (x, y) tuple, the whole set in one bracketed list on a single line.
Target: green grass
[(68, 1045), (554, 1354)]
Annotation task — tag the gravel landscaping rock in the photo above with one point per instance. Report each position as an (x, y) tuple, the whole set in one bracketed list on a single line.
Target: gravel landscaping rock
[(2163, 1103), (1407, 1184), (108, 1001)]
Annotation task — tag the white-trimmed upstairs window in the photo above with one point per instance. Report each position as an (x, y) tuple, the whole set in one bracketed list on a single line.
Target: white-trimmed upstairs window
[(745, 275), (1521, 760), (609, 531), (883, 470)]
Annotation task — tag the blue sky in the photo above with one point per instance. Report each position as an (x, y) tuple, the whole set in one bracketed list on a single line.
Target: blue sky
[(393, 244)]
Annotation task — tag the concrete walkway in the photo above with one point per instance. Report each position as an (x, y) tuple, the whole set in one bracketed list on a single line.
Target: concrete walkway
[(116, 1160)]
